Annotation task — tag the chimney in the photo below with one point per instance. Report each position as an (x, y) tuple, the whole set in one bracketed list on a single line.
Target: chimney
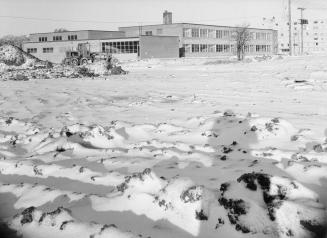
[(167, 18)]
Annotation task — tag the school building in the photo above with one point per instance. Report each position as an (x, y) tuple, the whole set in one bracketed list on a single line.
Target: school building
[(167, 40)]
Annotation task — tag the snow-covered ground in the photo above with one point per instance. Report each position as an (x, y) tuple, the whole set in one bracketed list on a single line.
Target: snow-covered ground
[(176, 148)]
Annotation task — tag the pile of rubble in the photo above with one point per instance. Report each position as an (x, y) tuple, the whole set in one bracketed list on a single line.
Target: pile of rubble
[(17, 65), (11, 55)]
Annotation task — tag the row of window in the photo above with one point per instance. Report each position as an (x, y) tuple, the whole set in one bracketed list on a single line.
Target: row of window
[(125, 47), (111, 47), (31, 50), (221, 34), (205, 33), (262, 36), (263, 48), (42, 39), (44, 50), (72, 37), (57, 38), (196, 48), (48, 50), (159, 31), (223, 48)]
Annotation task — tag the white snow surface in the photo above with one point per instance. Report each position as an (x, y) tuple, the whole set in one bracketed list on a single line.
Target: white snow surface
[(176, 148)]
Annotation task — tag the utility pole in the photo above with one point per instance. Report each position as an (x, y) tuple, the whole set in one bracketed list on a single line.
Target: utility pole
[(302, 22), (290, 26), (140, 29)]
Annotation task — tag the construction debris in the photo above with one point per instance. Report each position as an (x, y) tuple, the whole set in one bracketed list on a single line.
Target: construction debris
[(17, 65), (14, 56)]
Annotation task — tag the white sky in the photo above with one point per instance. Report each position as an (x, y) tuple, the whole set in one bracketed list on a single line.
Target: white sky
[(109, 14)]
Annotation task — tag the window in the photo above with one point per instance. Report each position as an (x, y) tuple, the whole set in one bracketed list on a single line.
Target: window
[(57, 38), (204, 33), (219, 34), (187, 32), (72, 37), (47, 50), (188, 48), (211, 48), (226, 34), (257, 36), (219, 48), (42, 39), (159, 31), (232, 48), (195, 48), (211, 33), (203, 48), (226, 48), (257, 48), (251, 35), (195, 32), (121, 47), (31, 50), (148, 33)]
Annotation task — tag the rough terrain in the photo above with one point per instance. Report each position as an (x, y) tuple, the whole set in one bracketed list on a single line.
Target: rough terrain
[(176, 148)]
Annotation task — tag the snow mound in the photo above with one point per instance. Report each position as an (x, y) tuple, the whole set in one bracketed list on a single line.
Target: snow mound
[(77, 173), (179, 200), (36, 195), (60, 223)]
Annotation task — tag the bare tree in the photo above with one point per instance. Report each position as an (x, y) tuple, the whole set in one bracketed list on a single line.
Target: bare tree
[(60, 30), (13, 40), (242, 38)]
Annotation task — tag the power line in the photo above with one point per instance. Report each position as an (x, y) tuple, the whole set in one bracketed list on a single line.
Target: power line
[(65, 20), (290, 26), (302, 23), (112, 22)]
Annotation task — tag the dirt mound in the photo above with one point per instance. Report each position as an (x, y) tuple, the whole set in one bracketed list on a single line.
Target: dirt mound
[(14, 56)]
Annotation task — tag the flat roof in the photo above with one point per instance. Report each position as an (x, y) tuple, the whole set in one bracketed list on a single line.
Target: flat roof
[(118, 38), (198, 24), (71, 31)]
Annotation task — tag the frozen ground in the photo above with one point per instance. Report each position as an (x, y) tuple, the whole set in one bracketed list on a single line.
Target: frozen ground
[(176, 148)]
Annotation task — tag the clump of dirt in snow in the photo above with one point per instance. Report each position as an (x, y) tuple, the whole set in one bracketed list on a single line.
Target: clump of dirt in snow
[(281, 198)]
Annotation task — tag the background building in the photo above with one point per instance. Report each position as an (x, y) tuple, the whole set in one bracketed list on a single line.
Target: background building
[(167, 40), (314, 35), (199, 40), (53, 46)]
